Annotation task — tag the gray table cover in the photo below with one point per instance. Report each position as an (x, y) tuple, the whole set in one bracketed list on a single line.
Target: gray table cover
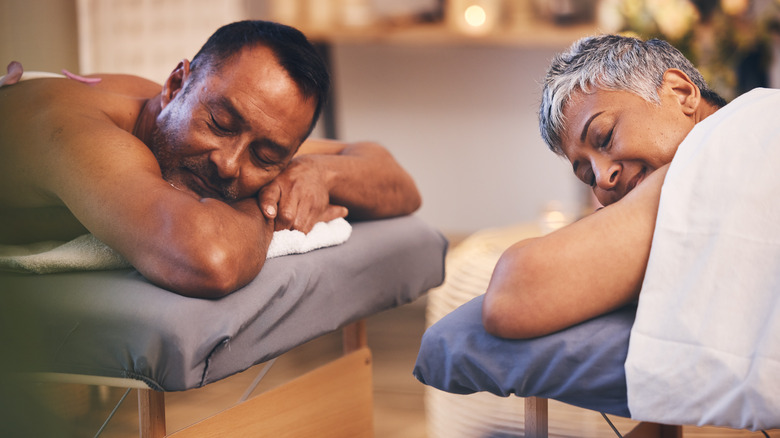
[(581, 365), (117, 324)]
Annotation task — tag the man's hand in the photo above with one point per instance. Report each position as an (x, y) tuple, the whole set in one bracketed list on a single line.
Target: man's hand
[(299, 197)]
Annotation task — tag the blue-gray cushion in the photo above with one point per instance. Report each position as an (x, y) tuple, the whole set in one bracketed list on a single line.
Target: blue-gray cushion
[(581, 366)]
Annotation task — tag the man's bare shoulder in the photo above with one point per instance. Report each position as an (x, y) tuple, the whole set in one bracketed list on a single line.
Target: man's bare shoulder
[(45, 119), (118, 96), (127, 85), (65, 144)]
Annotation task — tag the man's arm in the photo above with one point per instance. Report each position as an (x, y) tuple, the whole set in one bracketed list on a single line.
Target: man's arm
[(328, 179), (206, 247), (581, 271), (112, 183)]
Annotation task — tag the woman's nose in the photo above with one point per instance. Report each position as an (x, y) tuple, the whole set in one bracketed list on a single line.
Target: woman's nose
[(607, 174)]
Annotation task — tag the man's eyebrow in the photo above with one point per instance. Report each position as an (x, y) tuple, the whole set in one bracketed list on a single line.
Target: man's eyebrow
[(276, 148), (228, 106), (587, 125)]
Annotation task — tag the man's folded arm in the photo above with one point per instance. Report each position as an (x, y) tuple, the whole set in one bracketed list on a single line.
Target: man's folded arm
[(209, 248), (202, 246), (192, 246), (365, 178)]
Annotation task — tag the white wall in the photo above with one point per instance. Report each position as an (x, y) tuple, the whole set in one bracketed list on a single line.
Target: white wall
[(147, 38), (40, 34), (463, 121)]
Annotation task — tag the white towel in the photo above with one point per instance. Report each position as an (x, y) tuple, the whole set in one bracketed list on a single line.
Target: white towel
[(286, 242), (87, 253), (84, 253), (705, 346), (27, 76)]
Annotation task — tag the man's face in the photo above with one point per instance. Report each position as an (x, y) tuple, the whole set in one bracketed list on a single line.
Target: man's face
[(614, 139), (232, 131)]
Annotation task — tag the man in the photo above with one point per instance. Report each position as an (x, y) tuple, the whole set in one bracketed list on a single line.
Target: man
[(617, 108), (188, 181)]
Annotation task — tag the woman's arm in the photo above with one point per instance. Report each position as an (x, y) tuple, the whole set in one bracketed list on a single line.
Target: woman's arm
[(581, 271)]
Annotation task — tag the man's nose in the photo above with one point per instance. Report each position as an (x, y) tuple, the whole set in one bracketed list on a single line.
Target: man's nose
[(227, 160), (606, 173)]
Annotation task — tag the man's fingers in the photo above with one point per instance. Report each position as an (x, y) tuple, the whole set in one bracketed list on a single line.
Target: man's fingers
[(334, 212), (306, 223), (268, 198)]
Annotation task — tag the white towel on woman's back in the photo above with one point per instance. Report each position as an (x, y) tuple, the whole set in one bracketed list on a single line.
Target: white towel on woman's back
[(705, 347)]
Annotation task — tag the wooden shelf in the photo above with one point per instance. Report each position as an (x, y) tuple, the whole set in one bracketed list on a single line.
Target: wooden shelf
[(529, 34)]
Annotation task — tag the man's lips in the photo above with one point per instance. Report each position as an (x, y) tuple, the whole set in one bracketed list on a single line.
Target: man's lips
[(205, 189)]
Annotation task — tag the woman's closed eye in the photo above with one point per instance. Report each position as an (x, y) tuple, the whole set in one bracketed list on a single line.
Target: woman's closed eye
[(589, 177), (605, 142), (584, 174)]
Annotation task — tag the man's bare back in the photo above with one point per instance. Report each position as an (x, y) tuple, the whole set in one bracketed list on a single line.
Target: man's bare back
[(31, 209)]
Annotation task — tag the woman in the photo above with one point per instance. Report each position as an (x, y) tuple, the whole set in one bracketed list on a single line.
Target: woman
[(617, 108)]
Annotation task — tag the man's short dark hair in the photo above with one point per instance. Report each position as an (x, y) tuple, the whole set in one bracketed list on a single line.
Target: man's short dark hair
[(293, 52)]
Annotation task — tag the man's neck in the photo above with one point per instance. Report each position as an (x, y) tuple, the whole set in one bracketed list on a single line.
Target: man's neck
[(144, 125)]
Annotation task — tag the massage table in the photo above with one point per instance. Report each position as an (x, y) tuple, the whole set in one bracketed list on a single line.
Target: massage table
[(581, 366), (472, 376), (113, 327)]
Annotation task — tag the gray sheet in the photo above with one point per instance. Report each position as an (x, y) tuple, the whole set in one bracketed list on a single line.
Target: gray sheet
[(117, 324)]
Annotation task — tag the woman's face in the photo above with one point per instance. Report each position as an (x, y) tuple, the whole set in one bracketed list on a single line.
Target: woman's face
[(614, 139)]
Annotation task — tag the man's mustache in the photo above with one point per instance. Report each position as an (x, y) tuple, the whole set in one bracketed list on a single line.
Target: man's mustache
[(226, 188)]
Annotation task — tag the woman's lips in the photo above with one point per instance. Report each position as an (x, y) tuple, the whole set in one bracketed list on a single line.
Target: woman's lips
[(635, 180)]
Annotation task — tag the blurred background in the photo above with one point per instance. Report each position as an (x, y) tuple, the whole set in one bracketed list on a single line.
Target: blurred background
[(450, 87)]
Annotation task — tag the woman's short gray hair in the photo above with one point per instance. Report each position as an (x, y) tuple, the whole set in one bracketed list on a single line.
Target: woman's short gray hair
[(609, 62)]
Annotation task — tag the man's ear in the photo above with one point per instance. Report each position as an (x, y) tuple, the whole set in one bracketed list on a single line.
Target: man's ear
[(175, 82), (683, 88)]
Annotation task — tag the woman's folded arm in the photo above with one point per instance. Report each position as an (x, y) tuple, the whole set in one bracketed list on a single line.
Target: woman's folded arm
[(581, 271)]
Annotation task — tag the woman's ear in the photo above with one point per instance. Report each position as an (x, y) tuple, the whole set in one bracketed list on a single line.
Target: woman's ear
[(684, 90), (175, 82)]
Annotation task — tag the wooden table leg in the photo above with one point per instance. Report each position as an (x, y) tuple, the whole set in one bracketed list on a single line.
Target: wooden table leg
[(151, 413), (535, 417), (354, 336)]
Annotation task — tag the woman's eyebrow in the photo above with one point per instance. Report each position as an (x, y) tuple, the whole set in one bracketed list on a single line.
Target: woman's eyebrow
[(587, 125)]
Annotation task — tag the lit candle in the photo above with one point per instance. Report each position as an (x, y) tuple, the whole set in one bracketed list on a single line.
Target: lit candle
[(474, 17)]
